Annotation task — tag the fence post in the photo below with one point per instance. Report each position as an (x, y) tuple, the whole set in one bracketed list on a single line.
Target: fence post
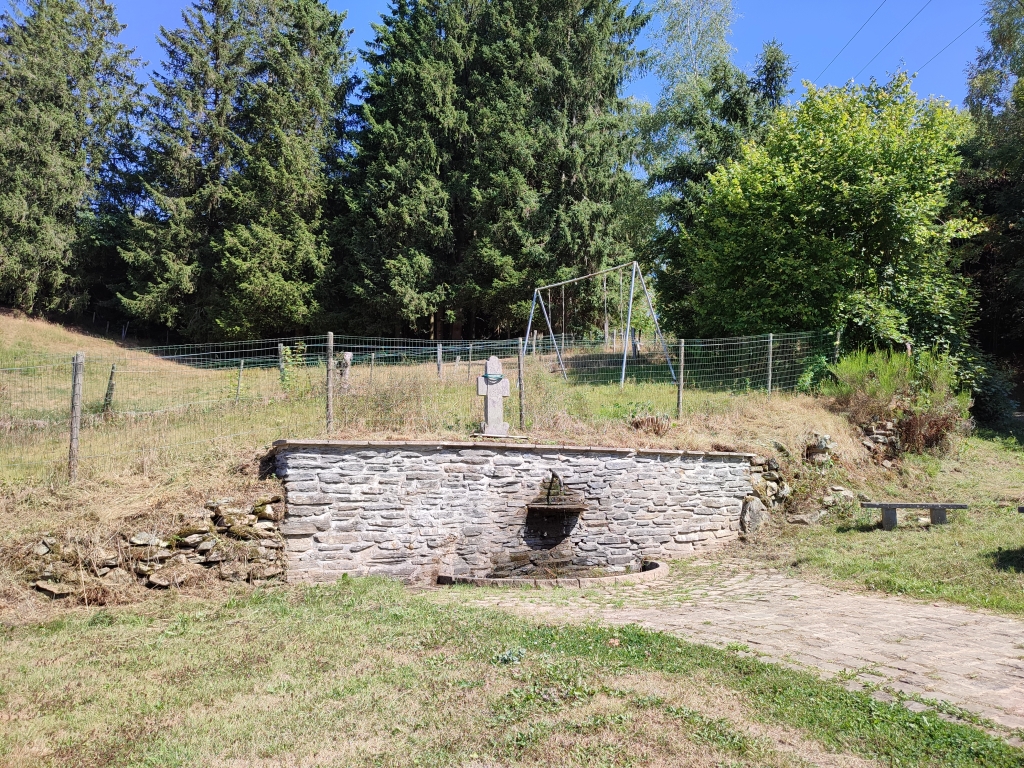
[(522, 384), (373, 362), (77, 375), (108, 398), (682, 368), (440, 364), (280, 359), (330, 382), (771, 349), (238, 387), (534, 343), (469, 363)]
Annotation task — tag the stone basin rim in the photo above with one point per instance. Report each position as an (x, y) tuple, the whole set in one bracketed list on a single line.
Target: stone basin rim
[(656, 573), (279, 445)]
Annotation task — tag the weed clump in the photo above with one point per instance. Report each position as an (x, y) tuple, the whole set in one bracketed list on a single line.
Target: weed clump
[(917, 394)]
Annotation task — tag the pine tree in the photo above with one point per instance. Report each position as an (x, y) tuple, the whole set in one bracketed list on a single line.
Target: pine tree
[(492, 156), (67, 95), (241, 125)]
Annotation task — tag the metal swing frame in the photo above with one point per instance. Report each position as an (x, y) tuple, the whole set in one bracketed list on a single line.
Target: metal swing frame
[(635, 271)]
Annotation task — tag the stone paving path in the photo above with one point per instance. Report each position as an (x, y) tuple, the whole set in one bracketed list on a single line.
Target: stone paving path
[(939, 651)]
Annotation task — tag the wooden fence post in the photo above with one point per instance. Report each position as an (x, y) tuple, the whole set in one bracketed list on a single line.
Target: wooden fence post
[(440, 363), (682, 370), (280, 360), (108, 398), (469, 363), (77, 375), (771, 349), (330, 382), (522, 384)]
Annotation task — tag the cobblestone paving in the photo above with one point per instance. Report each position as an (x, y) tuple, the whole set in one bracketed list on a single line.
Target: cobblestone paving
[(938, 651)]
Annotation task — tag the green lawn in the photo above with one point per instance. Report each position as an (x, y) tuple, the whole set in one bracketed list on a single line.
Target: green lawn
[(366, 673), (976, 560)]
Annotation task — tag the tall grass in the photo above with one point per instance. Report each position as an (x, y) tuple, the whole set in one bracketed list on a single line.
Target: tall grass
[(916, 392)]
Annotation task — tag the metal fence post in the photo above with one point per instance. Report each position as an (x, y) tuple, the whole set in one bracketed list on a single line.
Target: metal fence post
[(522, 384), (682, 368), (771, 349), (77, 375), (330, 382), (108, 398), (238, 388)]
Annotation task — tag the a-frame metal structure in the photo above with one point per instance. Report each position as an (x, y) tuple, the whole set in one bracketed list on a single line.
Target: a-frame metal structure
[(635, 272)]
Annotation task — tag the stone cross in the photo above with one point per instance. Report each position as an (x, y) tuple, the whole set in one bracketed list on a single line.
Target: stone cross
[(494, 386)]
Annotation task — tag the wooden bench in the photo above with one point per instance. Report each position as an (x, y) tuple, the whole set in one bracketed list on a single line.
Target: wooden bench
[(937, 511)]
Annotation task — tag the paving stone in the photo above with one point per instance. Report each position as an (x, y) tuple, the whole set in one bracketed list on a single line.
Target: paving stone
[(967, 657)]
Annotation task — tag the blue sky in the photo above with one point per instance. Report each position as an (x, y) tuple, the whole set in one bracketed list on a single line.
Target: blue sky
[(812, 31)]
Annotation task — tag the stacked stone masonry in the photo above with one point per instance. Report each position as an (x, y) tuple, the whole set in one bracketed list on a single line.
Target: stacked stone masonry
[(416, 511)]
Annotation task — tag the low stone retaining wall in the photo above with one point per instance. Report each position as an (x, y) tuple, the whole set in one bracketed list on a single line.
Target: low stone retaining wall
[(417, 511)]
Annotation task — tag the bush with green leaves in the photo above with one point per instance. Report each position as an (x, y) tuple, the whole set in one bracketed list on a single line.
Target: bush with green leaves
[(918, 393), (840, 217)]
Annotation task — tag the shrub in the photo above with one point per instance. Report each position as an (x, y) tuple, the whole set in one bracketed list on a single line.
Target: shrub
[(917, 393), (994, 403)]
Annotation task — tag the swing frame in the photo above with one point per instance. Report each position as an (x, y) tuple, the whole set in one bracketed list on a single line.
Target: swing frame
[(635, 271)]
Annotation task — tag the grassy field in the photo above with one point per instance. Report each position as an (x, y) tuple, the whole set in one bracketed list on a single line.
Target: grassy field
[(976, 560), (366, 673), (169, 413)]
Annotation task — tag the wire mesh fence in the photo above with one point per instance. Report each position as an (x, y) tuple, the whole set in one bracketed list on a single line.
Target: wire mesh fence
[(165, 401)]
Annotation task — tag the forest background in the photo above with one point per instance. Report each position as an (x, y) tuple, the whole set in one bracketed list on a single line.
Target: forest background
[(266, 181)]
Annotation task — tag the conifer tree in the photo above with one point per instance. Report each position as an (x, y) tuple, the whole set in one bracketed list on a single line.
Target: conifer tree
[(492, 156), (67, 95), (241, 123)]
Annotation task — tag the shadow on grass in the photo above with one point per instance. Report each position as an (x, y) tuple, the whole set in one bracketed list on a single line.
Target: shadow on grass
[(859, 527), (1011, 560)]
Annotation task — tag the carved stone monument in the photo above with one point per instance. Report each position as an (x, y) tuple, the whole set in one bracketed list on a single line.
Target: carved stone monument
[(495, 388)]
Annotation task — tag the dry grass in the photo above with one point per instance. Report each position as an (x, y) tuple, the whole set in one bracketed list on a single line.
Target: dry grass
[(29, 336)]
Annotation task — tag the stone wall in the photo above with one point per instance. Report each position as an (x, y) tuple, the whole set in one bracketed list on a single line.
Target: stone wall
[(418, 510)]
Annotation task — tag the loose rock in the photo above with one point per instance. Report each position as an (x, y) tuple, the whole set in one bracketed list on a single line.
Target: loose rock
[(54, 589), (754, 514)]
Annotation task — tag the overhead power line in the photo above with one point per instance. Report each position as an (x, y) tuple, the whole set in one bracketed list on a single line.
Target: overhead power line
[(933, 58), (893, 38), (849, 41)]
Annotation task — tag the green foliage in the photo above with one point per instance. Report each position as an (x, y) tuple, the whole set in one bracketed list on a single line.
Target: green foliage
[(492, 153), (241, 125), (838, 218), (704, 120), (917, 392), (994, 396), (993, 178), (67, 95), (813, 375)]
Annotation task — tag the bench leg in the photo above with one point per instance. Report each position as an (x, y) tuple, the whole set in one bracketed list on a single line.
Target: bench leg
[(889, 518), (939, 517)]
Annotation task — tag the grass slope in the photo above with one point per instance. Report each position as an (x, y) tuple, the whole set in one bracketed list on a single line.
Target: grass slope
[(366, 673)]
